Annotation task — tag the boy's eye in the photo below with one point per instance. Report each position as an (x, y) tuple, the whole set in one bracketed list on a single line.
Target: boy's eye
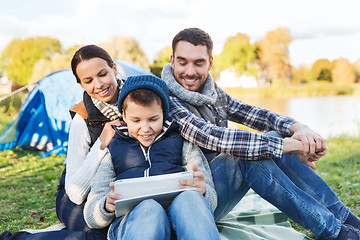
[(103, 74)]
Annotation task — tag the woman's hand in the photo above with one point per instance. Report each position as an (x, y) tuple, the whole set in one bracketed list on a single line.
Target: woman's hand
[(107, 133), (198, 182), (111, 198)]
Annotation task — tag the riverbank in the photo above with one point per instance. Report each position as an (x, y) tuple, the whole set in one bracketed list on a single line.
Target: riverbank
[(308, 90)]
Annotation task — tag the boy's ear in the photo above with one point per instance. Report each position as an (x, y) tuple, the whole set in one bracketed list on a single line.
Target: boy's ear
[(123, 115)]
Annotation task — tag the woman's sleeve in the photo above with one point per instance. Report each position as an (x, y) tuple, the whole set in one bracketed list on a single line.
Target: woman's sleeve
[(193, 155), (81, 161), (95, 213)]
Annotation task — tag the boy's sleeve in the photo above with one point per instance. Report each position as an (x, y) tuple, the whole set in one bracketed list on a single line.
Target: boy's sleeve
[(193, 155), (95, 213)]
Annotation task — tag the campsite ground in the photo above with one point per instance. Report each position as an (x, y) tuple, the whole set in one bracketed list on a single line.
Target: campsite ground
[(28, 183)]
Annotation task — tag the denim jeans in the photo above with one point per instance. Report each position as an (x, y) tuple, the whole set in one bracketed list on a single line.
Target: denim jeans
[(189, 215), (288, 184)]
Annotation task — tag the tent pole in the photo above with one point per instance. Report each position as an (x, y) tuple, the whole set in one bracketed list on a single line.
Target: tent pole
[(15, 92)]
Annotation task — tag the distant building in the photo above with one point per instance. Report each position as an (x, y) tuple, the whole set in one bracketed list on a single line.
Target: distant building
[(5, 85), (228, 78)]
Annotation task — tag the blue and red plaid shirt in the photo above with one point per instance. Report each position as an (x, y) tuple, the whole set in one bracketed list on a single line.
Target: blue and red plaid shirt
[(247, 145)]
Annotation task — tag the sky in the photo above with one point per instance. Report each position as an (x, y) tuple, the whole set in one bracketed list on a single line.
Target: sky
[(319, 28)]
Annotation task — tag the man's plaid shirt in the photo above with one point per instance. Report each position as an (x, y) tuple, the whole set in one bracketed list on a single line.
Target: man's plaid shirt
[(245, 144)]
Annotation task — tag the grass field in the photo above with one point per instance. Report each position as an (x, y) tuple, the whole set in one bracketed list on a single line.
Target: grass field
[(28, 183)]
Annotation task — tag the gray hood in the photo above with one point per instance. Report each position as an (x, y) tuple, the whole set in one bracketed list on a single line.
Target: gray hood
[(207, 97)]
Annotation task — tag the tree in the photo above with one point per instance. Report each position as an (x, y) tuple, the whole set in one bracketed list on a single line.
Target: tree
[(161, 58), (300, 75), (6, 54), (343, 72), (57, 62), (238, 54), (26, 54), (274, 55), (321, 70), (127, 49), (356, 66)]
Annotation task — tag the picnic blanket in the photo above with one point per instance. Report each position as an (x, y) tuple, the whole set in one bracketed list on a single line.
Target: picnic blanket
[(253, 218)]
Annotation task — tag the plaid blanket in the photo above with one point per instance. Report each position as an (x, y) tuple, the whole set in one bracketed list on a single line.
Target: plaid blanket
[(253, 218)]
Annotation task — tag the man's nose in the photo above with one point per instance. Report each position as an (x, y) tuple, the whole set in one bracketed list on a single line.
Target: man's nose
[(190, 70)]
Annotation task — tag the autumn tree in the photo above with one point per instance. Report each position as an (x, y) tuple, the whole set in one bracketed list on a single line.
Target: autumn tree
[(300, 75), (342, 72), (238, 54), (26, 54), (161, 59), (321, 70), (127, 49), (6, 54), (274, 55), (356, 66)]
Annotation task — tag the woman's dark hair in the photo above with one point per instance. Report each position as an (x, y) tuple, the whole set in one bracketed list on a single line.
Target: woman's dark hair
[(86, 53), (195, 36)]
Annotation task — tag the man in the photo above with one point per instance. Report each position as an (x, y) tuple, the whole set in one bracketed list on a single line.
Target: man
[(241, 159)]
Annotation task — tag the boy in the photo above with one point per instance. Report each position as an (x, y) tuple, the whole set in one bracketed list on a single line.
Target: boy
[(148, 144)]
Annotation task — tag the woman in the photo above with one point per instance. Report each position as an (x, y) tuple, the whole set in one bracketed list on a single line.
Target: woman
[(97, 74)]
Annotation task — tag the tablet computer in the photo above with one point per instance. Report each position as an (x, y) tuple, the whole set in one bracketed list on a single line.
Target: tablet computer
[(162, 188)]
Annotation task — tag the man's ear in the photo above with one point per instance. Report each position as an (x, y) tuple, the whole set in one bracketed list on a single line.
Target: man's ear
[(172, 60), (211, 62)]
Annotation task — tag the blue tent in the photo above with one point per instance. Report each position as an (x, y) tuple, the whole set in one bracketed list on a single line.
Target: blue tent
[(43, 122)]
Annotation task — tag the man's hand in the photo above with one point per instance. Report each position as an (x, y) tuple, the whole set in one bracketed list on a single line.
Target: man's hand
[(312, 143), (198, 182), (111, 198), (107, 133)]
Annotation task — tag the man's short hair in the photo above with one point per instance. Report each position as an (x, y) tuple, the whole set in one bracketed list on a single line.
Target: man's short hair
[(194, 36)]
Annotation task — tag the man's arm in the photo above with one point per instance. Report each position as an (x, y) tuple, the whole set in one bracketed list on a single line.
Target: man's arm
[(256, 118), (237, 142)]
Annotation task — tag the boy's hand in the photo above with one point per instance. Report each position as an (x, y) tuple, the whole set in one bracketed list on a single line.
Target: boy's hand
[(198, 182), (107, 133), (111, 198)]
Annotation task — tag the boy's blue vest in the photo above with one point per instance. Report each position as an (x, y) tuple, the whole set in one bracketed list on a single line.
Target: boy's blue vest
[(130, 158)]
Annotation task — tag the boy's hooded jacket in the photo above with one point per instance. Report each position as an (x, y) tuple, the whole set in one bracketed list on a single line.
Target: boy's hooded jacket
[(131, 159)]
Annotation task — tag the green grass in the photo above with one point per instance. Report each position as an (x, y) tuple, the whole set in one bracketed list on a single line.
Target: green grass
[(340, 168), (28, 183), (28, 186)]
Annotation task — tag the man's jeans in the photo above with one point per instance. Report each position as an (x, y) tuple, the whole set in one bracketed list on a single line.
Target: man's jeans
[(288, 184), (189, 215)]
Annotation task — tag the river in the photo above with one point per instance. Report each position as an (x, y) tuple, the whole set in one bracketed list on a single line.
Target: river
[(329, 116)]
